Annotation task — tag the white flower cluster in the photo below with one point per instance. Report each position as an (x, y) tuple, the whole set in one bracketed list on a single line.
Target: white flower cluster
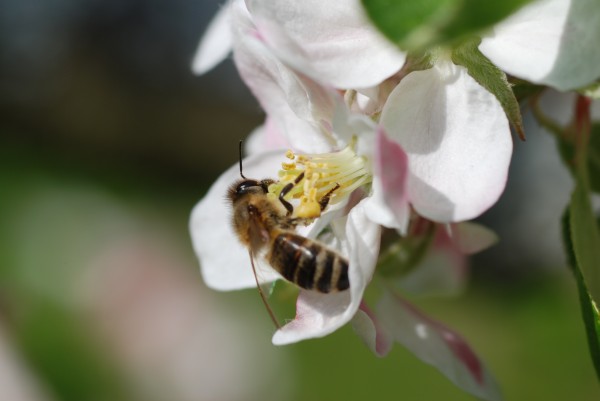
[(435, 144)]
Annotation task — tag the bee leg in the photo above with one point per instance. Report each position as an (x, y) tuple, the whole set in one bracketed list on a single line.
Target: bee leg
[(324, 201), (288, 206), (284, 192)]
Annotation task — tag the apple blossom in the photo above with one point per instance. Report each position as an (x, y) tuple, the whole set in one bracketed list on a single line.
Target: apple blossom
[(356, 236), (434, 142)]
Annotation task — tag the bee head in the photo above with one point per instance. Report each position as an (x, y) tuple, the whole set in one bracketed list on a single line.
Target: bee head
[(248, 186)]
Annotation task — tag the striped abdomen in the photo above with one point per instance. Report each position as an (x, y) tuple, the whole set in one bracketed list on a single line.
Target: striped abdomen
[(308, 263)]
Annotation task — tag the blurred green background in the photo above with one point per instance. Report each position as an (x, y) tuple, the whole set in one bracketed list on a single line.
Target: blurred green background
[(106, 143)]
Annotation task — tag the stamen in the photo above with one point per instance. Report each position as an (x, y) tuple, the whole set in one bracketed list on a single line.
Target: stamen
[(322, 172)]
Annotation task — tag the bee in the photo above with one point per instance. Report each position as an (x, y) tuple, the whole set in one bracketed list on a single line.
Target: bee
[(266, 227)]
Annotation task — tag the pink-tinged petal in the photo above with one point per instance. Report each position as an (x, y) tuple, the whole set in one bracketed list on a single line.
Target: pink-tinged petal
[(438, 346), (552, 42), (331, 41), (320, 314), (297, 105), (470, 238), (211, 229), (216, 43), (388, 205), (457, 139), (371, 331)]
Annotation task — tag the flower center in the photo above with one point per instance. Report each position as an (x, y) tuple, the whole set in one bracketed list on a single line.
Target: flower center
[(344, 170)]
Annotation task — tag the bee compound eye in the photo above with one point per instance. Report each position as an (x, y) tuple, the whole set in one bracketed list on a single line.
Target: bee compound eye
[(246, 186)]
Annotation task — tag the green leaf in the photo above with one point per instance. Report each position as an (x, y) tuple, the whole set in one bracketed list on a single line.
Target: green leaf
[(589, 309), (418, 25), (585, 237), (491, 78)]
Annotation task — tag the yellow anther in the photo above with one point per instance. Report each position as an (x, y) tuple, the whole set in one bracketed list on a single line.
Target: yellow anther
[(290, 154), (288, 166), (308, 208), (308, 174), (285, 178)]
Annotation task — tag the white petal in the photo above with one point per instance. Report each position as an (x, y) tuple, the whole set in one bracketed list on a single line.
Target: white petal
[(216, 43), (438, 346), (553, 42), (297, 105), (457, 139), (224, 262), (331, 41), (320, 314)]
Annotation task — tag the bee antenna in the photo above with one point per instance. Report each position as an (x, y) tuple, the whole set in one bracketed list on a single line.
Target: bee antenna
[(240, 154)]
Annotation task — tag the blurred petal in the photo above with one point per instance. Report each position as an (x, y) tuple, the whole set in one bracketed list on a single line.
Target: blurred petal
[(457, 139), (297, 105), (442, 272), (224, 262), (216, 43), (388, 205), (373, 333), (553, 42), (471, 237), (320, 314), (331, 41), (265, 138), (438, 346), (444, 269)]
